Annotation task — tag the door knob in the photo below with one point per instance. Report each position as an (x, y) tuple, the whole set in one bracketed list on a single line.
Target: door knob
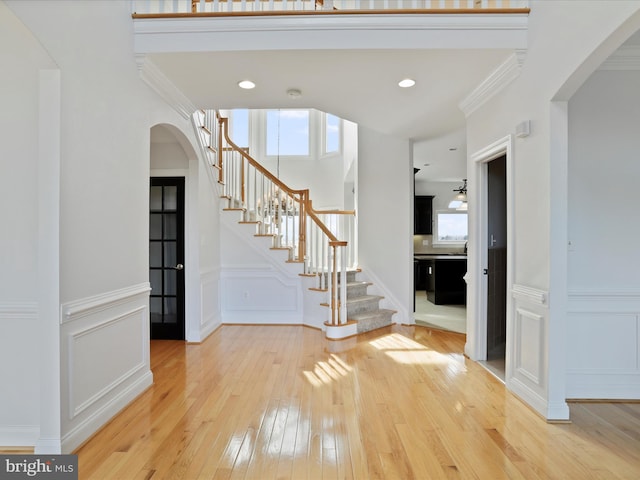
[(179, 267)]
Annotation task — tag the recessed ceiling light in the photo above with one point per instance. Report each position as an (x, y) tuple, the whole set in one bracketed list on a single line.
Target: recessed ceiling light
[(294, 93), (406, 83), (246, 84)]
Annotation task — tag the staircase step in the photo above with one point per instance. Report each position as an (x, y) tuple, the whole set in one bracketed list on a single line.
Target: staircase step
[(365, 303), (356, 289), (372, 320)]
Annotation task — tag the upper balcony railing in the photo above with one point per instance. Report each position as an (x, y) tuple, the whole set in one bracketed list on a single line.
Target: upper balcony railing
[(277, 7)]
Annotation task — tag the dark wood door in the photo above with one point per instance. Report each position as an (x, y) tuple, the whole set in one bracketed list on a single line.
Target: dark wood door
[(497, 259), (166, 257)]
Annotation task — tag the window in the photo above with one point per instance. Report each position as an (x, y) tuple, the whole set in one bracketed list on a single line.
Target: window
[(331, 133), (240, 127), (288, 132), (451, 227)]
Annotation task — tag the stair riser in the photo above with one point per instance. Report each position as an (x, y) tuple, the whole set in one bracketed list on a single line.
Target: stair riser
[(356, 291), (363, 306), (351, 276), (382, 320)]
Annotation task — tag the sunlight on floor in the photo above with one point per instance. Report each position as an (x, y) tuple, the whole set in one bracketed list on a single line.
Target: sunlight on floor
[(409, 352), (326, 372)]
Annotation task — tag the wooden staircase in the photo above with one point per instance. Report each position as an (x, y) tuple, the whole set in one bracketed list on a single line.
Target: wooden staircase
[(322, 242)]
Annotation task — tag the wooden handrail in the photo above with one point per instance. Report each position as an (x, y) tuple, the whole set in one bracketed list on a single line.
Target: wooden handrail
[(254, 163), (335, 212), (335, 262), (413, 11)]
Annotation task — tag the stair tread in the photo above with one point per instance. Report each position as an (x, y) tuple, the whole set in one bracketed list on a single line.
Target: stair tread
[(364, 298), (368, 315), (357, 284)]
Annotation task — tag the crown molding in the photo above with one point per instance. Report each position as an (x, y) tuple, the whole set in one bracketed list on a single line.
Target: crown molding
[(502, 76), (625, 58), (159, 82)]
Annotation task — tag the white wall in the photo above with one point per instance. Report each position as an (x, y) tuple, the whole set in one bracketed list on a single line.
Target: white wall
[(603, 282), (385, 223), (22, 58), (562, 37), (96, 354)]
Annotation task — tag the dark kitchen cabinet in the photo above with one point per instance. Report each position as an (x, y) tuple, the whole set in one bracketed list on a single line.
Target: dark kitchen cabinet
[(421, 274), (445, 282), (423, 215)]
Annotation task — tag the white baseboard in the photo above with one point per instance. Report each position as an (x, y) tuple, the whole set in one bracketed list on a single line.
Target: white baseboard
[(19, 435), (100, 417), (548, 411)]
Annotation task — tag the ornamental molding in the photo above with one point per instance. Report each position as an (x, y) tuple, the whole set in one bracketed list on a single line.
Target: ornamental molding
[(497, 81), (158, 81)]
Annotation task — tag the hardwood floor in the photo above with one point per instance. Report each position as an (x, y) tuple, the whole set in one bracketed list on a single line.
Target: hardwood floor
[(397, 403)]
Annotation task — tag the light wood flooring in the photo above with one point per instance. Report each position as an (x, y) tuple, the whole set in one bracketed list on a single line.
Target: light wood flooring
[(397, 403)]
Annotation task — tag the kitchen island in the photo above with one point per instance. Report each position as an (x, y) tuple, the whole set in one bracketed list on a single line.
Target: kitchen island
[(441, 275)]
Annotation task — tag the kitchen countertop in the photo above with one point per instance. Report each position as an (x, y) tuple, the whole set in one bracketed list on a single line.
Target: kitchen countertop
[(439, 256)]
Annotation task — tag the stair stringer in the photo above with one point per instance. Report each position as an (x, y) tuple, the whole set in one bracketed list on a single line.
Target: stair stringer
[(258, 285)]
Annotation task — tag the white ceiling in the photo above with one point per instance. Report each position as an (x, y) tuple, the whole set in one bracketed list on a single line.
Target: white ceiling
[(358, 85), (354, 75)]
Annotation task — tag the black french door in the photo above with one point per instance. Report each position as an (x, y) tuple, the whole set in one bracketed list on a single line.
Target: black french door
[(166, 257)]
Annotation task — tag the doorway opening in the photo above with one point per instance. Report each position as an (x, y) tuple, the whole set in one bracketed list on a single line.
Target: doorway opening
[(496, 269), (166, 258), (490, 326)]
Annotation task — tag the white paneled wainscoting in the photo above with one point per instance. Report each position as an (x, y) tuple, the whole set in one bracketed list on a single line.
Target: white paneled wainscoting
[(527, 372), (208, 320), (260, 294), (104, 359), (603, 345)]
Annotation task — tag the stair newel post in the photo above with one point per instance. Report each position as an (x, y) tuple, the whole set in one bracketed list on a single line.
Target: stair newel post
[(333, 287)]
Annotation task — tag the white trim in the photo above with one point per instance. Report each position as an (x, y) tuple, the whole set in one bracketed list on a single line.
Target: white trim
[(91, 305), (19, 435), (49, 136), (497, 81), (159, 82), (361, 31), (476, 345), (529, 294), (333, 332), (18, 310)]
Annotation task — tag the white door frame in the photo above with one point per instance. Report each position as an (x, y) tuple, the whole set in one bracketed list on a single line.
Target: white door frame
[(476, 346)]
